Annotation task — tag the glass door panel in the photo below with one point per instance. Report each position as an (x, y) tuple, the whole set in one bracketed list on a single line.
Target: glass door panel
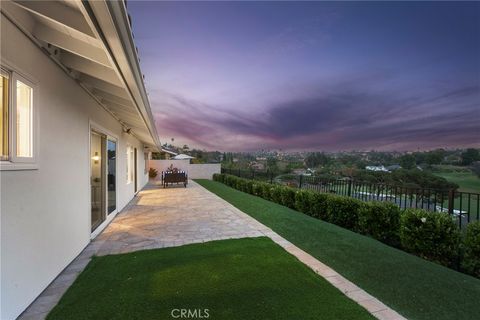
[(97, 178), (112, 175), (135, 169)]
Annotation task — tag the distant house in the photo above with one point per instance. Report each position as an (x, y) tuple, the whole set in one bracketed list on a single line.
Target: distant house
[(299, 171), (257, 165), (394, 167), (167, 153), (377, 168), (183, 157)]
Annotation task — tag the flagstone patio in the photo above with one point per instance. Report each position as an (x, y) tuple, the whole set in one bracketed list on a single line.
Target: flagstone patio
[(176, 216)]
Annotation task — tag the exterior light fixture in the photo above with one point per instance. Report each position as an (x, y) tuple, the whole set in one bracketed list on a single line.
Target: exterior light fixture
[(96, 157)]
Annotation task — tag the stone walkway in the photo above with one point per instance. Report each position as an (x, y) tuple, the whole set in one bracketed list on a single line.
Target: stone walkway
[(159, 218)]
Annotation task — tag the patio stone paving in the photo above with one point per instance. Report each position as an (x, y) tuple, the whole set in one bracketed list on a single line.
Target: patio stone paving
[(176, 216)]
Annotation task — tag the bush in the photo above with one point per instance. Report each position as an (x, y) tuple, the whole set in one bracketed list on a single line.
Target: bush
[(276, 194), (288, 197), (343, 211), (231, 181), (220, 177), (266, 191), (318, 206), (257, 189), (303, 201), (430, 235), (381, 220), (240, 184), (249, 186), (152, 173), (471, 259)]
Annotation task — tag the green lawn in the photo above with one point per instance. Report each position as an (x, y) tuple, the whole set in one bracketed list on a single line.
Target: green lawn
[(234, 279), (416, 288), (466, 179), (468, 182)]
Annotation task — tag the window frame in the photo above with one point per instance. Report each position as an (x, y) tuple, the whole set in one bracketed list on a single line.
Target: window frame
[(13, 162), (13, 146), (7, 75), (146, 156), (130, 164)]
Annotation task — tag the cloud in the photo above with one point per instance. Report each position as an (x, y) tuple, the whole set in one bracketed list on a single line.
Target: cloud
[(337, 118)]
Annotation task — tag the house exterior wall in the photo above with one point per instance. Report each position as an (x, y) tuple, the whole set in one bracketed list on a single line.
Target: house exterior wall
[(45, 213), (194, 171)]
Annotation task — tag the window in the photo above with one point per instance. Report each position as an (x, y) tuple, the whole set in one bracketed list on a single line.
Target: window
[(129, 164), (145, 157), (24, 119), (17, 124), (4, 106)]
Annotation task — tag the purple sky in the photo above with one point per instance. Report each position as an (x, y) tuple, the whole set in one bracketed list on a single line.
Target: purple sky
[(327, 76)]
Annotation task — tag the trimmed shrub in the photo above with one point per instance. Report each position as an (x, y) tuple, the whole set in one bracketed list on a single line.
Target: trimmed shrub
[(228, 180), (249, 186), (257, 189), (276, 194), (303, 201), (288, 197), (266, 191), (220, 177), (431, 235), (471, 258), (231, 181), (318, 205), (240, 184), (381, 220), (343, 211)]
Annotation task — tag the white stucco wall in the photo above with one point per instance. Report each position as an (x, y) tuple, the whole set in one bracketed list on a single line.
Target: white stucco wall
[(45, 213), (194, 171)]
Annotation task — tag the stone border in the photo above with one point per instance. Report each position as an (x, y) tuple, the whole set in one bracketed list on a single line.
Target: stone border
[(355, 293)]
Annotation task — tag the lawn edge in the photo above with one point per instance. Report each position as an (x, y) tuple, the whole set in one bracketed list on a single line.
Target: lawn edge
[(373, 305)]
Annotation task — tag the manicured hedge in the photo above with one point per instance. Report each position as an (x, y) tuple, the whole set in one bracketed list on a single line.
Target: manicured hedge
[(471, 259), (303, 201), (431, 235), (380, 220), (288, 197), (276, 194), (319, 205), (343, 211)]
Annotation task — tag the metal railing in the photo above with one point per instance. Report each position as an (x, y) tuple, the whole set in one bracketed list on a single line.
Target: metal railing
[(463, 206)]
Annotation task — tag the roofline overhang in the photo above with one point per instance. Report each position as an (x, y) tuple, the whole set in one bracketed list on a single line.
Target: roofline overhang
[(111, 22)]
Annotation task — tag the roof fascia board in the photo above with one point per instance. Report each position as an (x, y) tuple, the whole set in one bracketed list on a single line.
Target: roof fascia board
[(111, 21)]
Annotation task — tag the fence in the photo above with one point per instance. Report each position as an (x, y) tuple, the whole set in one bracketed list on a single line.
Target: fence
[(463, 206)]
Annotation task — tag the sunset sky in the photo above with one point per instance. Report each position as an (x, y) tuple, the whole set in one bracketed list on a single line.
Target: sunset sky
[(244, 76)]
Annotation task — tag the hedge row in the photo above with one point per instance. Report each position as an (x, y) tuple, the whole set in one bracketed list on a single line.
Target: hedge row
[(431, 235)]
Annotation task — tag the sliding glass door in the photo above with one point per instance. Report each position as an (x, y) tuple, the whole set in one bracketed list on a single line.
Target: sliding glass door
[(97, 178), (103, 183), (112, 175)]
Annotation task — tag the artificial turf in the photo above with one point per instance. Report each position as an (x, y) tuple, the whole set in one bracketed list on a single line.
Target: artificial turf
[(414, 287), (251, 278)]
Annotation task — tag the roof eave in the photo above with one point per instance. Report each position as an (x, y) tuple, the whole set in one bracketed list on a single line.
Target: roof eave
[(111, 21)]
